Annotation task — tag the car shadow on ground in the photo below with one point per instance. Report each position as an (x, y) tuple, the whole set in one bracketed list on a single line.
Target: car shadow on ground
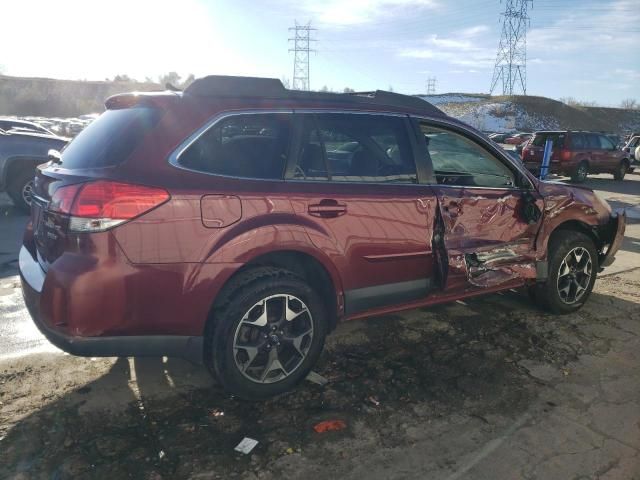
[(164, 418)]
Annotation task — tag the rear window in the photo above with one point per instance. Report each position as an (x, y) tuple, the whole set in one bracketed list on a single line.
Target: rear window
[(110, 138), (556, 137)]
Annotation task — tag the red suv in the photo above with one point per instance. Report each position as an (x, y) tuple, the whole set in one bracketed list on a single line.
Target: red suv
[(577, 154), (236, 223)]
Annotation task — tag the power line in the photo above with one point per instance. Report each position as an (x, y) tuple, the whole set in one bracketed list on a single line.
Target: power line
[(301, 48), (511, 62), (431, 85)]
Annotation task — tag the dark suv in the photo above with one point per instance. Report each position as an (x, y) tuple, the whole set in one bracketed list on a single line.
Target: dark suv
[(238, 222), (577, 154)]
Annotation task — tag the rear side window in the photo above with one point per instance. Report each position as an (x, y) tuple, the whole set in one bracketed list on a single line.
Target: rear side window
[(577, 141), (355, 148), (110, 139), (541, 138), (247, 145), (592, 141)]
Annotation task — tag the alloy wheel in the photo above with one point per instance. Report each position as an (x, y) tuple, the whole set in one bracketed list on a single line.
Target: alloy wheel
[(273, 338), (27, 191), (574, 275), (582, 172)]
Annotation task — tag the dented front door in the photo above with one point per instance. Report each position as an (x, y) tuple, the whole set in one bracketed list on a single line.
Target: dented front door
[(487, 238)]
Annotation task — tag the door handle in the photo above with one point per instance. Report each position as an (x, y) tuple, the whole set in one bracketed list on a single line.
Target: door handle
[(327, 208)]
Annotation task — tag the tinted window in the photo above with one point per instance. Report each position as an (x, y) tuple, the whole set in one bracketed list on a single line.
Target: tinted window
[(355, 148), (577, 141), (592, 140), (458, 160), (251, 145), (605, 143), (110, 139), (541, 138)]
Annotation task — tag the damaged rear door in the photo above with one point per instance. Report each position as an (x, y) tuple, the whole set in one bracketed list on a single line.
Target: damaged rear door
[(488, 211)]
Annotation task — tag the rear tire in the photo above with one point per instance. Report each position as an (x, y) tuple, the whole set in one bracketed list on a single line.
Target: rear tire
[(266, 334), (573, 265), (621, 171), (579, 175), (20, 189)]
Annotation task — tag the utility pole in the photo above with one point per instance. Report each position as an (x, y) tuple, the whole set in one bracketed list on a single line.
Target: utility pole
[(511, 62), (431, 85), (301, 48)]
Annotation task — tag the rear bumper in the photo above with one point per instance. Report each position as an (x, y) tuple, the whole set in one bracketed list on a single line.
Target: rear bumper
[(616, 229), (33, 278)]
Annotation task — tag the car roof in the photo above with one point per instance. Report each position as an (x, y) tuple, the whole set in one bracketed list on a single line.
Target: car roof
[(270, 91)]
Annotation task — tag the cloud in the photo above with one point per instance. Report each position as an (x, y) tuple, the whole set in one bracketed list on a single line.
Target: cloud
[(343, 13), (463, 49), (615, 30)]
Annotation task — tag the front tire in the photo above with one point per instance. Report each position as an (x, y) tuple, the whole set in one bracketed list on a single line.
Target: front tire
[(621, 171), (20, 189), (573, 265), (579, 175), (267, 335)]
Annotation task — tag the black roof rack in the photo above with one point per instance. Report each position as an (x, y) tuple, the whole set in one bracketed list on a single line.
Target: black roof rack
[(229, 86)]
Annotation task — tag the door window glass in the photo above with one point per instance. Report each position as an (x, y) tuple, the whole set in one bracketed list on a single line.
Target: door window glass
[(577, 141), (355, 148), (458, 160), (605, 143)]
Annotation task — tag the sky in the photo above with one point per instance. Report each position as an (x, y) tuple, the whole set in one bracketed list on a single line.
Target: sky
[(588, 50)]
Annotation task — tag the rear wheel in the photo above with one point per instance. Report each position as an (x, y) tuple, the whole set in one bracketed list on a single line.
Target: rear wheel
[(621, 170), (268, 334), (579, 175), (573, 264), (20, 189)]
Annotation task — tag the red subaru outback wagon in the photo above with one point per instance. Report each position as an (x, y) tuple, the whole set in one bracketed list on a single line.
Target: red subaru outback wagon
[(237, 222)]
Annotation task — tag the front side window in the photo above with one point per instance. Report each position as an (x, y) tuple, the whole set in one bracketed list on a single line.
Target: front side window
[(605, 143), (458, 160), (246, 145), (355, 148)]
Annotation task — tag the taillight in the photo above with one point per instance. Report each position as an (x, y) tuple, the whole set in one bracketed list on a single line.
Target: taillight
[(98, 206), (565, 155)]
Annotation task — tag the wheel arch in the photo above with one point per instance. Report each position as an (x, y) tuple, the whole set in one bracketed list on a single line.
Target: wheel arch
[(590, 231), (320, 273), (18, 163)]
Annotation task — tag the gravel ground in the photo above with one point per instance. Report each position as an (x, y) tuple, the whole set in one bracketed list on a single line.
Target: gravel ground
[(490, 388)]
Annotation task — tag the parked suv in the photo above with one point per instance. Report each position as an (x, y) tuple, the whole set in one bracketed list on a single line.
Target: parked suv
[(23, 145), (238, 222), (577, 154)]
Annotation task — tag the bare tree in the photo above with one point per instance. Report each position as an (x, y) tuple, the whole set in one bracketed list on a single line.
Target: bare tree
[(348, 90), (629, 104)]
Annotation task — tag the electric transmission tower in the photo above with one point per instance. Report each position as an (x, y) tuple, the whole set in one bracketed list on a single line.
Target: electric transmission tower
[(431, 86), (511, 62), (301, 49)]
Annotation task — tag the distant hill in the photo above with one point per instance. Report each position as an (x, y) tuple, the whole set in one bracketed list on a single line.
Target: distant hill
[(46, 97), (529, 113)]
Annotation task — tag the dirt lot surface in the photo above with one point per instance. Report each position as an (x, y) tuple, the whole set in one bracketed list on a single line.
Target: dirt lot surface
[(490, 388)]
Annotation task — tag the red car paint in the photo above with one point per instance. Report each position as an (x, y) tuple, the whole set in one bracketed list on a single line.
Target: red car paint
[(158, 275)]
